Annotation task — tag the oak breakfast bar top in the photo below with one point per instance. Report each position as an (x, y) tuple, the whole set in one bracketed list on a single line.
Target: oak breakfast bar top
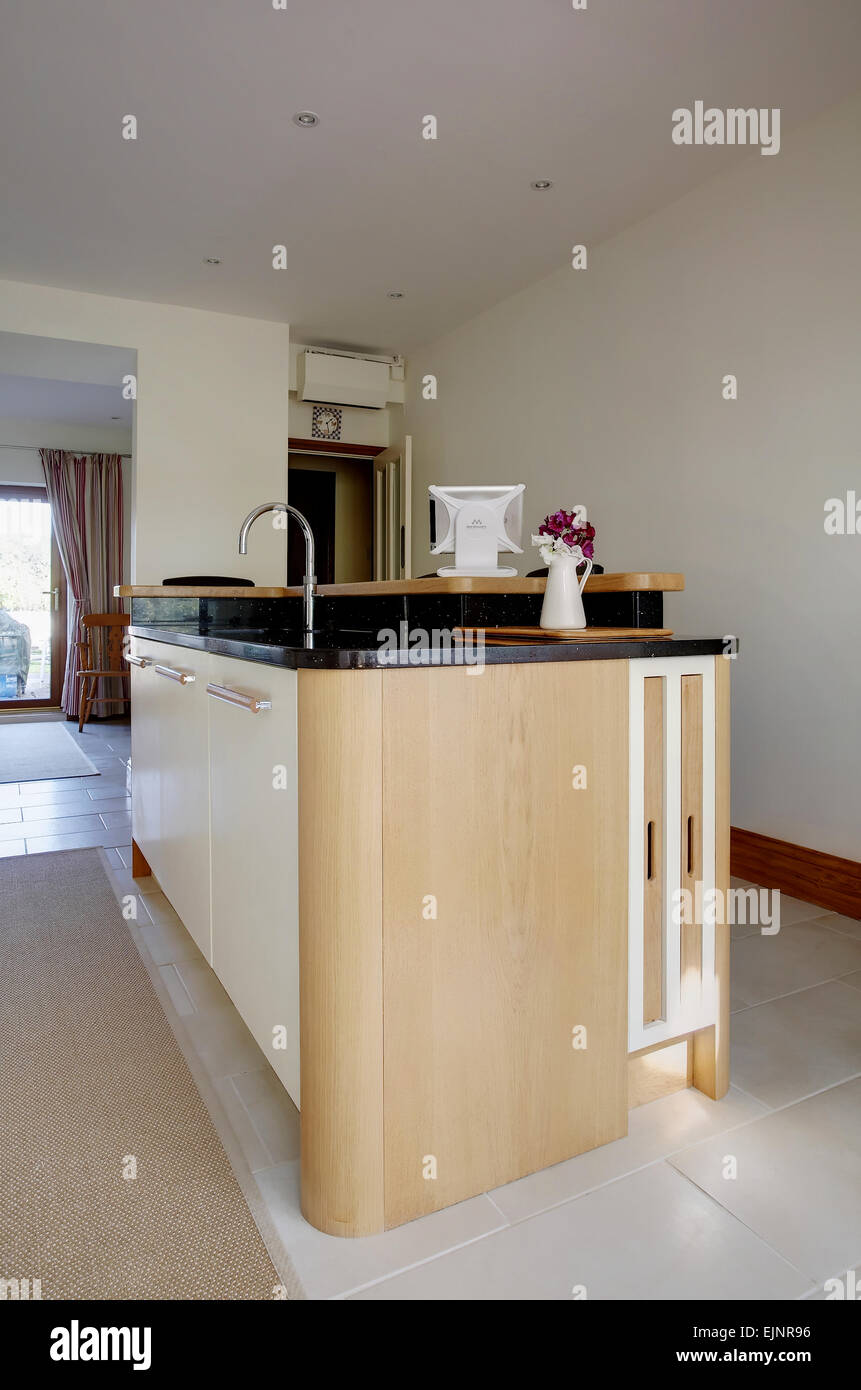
[(633, 582)]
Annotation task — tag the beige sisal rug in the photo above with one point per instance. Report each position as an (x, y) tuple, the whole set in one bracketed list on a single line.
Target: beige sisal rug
[(94, 1088)]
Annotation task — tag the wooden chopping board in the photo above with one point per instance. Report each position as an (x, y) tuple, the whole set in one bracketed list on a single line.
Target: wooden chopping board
[(546, 634)]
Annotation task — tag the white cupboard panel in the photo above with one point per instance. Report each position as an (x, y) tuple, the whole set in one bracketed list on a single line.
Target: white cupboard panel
[(255, 872)]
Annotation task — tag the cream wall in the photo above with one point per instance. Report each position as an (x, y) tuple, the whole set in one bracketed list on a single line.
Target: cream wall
[(604, 387), (210, 428)]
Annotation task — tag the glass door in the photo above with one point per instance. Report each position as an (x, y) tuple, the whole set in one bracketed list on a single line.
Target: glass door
[(32, 602)]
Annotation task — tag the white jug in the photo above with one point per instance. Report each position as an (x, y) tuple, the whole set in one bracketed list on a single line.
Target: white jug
[(563, 605)]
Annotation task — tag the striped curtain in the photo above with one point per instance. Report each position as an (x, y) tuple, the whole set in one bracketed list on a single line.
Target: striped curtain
[(86, 496)]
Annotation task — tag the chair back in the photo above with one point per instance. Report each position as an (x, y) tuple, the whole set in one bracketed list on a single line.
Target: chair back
[(111, 629)]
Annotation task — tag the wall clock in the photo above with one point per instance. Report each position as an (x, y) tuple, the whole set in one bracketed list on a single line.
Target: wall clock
[(326, 422)]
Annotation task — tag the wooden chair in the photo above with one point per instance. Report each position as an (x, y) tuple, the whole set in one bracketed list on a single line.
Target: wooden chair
[(114, 626)]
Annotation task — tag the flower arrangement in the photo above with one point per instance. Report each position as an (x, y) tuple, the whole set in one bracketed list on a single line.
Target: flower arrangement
[(566, 533)]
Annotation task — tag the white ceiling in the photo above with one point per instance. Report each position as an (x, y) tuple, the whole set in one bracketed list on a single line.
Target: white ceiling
[(63, 402), (53, 381), (522, 89)]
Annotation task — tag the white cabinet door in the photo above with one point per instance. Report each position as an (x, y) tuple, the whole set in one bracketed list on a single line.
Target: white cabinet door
[(181, 674), (146, 752), (253, 817)]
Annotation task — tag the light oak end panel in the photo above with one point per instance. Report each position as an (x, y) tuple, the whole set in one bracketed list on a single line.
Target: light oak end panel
[(711, 1045), (340, 950), (505, 924)]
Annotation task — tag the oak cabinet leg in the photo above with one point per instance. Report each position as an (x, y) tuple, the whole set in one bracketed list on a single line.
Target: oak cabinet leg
[(140, 867)]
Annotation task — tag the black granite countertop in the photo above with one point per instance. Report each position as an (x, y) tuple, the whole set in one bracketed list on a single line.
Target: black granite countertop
[(358, 649)]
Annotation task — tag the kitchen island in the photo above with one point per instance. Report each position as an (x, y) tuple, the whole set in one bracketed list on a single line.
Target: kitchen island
[(441, 893)]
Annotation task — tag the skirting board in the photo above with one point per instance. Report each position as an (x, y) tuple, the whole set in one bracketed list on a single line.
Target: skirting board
[(809, 874)]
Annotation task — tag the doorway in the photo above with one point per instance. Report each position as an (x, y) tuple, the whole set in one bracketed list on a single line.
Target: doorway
[(32, 602), (336, 495)]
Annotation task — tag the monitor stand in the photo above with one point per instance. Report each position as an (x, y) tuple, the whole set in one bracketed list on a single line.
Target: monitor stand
[(477, 572)]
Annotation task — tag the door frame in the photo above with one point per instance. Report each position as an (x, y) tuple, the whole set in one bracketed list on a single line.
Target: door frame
[(19, 492)]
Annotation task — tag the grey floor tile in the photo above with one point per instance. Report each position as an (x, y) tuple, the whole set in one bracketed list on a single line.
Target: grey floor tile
[(10, 848), (649, 1236), (789, 1047), (116, 820), (797, 1183), (330, 1266), (854, 979), (10, 815)]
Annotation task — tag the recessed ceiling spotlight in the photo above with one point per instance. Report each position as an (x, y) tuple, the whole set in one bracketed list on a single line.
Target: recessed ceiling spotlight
[(541, 184), (212, 260), (395, 294), (306, 118)]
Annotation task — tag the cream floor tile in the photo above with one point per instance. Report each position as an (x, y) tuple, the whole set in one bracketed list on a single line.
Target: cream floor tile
[(53, 808), (202, 986), (10, 815), (157, 905), (272, 1115), (47, 844), (116, 836), (652, 1235), (110, 788), (764, 967), (167, 942), (10, 848), (222, 1042), (847, 926), (176, 989), (9, 794), (330, 1266), (787, 1048), (793, 910), (798, 1179), (78, 797), (654, 1131), (63, 825)]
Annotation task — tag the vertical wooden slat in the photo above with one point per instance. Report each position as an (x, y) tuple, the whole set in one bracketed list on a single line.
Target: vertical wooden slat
[(653, 822), (711, 1045), (691, 830)]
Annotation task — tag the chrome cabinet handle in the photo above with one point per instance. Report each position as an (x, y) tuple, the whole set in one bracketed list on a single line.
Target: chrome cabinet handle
[(184, 677), (236, 697), (140, 661)]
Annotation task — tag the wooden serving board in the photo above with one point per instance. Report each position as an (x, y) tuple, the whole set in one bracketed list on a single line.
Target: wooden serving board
[(546, 634)]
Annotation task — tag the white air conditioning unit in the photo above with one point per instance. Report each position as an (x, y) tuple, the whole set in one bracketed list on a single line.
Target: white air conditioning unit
[(334, 380)]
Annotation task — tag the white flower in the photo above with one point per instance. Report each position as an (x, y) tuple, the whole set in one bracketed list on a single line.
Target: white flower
[(551, 546)]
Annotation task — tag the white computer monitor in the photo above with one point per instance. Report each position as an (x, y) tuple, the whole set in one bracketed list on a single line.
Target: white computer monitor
[(476, 524)]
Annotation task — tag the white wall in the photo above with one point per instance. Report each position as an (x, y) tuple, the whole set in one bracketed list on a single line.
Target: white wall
[(210, 428), (604, 387)]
